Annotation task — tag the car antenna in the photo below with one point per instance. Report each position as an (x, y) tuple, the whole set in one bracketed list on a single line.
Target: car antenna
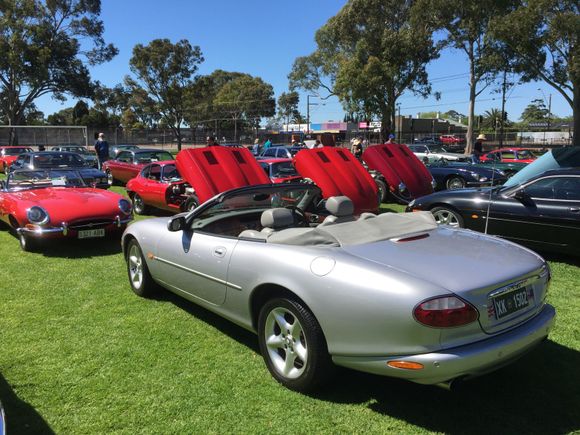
[(489, 199)]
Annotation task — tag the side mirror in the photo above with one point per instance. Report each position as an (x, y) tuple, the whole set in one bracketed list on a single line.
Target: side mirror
[(176, 224), (521, 195)]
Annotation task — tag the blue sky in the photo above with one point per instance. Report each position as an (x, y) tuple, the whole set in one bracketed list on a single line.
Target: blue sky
[(262, 38)]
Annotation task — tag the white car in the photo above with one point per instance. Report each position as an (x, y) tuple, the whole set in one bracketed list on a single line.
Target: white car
[(435, 153)]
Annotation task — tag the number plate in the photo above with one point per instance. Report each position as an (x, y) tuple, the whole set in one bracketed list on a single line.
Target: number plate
[(91, 234), (508, 303)]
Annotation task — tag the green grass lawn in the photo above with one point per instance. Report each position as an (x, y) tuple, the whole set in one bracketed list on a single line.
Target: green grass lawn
[(80, 353)]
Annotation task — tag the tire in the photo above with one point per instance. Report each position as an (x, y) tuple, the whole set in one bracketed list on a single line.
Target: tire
[(293, 345), (28, 243), (453, 183), (140, 279), (110, 178), (5, 168), (383, 190), (447, 216), (139, 206), (191, 203)]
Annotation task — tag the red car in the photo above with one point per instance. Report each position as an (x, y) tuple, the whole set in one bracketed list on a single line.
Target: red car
[(56, 203), (280, 170), (509, 155), (129, 163), (338, 173), (9, 154), (398, 171), (205, 171), (451, 138)]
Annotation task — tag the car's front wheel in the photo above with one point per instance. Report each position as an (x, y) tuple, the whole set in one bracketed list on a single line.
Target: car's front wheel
[(455, 183), (141, 281), (293, 345), (447, 216), (191, 203), (110, 178), (382, 189)]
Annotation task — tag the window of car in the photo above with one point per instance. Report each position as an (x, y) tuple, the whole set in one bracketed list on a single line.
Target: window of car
[(145, 172), (155, 173), (270, 152), (170, 173), (525, 154), (563, 188), (125, 157), (508, 155)]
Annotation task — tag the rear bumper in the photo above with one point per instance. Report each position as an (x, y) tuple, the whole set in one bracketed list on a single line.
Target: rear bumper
[(464, 361), (64, 231)]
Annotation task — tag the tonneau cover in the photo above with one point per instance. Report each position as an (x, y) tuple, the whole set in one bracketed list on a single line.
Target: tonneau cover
[(337, 172), (397, 163), (212, 170)]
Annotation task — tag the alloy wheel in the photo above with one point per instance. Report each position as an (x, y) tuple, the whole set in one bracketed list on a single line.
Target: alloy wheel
[(135, 267), (446, 217)]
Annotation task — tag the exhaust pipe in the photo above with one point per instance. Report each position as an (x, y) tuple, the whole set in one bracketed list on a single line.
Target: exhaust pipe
[(451, 385)]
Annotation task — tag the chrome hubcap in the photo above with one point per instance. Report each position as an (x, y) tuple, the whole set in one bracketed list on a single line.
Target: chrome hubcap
[(286, 343), (445, 217), (135, 267), (138, 204), (455, 183), (109, 178)]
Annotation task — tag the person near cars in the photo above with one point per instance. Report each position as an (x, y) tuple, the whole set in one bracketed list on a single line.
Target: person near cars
[(317, 144), (256, 148), (478, 148), (102, 149), (357, 149), (391, 138), (267, 144), (211, 141)]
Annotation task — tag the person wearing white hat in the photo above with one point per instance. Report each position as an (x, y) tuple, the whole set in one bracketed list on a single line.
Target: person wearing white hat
[(478, 147)]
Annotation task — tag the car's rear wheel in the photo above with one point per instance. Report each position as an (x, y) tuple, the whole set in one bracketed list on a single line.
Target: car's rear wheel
[(383, 190), (447, 216), (139, 206), (293, 345), (139, 277), (453, 183)]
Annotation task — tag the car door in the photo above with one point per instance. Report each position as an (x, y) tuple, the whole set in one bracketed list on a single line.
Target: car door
[(123, 163), (154, 192), (195, 263), (546, 213)]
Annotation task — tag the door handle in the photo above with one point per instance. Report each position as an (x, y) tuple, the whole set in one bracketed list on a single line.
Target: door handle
[(574, 209), (220, 251)]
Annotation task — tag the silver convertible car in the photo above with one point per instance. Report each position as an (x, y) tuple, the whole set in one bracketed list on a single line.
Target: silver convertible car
[(392, 294)]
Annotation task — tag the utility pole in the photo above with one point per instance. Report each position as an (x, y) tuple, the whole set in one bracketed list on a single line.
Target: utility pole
[(549, 112), (308, 104), (399, 123), (501, 126)]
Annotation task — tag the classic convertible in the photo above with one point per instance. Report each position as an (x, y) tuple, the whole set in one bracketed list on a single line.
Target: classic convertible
[(57, 203), (457, 175), (128, 163), (9, 154), (538, 207), (374, 293)]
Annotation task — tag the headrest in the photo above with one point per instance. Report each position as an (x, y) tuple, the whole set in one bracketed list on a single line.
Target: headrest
[(277, 218), (339, 206)]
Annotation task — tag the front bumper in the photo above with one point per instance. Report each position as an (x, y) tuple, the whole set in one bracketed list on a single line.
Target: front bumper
[(464, 361), (64, 230)]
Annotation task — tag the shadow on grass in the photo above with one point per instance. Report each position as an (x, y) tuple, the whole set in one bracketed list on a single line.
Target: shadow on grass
[(21, 418), (80, 248), (538, 393), (562, 258)]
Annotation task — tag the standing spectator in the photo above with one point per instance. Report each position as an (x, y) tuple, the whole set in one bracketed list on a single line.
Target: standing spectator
[(391, 138), (317, 144), (211, 141), (102, 149), (478, 148), (267, 144), (256, 147), (357, 148)]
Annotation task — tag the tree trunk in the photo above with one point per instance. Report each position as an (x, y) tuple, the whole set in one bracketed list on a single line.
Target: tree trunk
[(576, 116), (178, 137), (386, 122), (472, 91)]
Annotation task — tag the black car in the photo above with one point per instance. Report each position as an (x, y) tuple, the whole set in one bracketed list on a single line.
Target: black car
[(279, 152), (61, 160), (454, 175), (538, 207), (114, 150), (90, 157)]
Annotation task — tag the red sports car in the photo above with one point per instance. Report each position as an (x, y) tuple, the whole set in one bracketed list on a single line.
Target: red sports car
[(280, 170), (9, 155), (509, 155), (55, 203), (194, 177), (338, 173), (451, 138), (129, 163), (398, 171)]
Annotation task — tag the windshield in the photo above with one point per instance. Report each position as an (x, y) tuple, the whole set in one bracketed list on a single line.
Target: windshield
[(283, 169), (80, 150), (568, 157), (437, 149), (21, 180), (259, 199), (15, 151), (152, 156), (62, 160)]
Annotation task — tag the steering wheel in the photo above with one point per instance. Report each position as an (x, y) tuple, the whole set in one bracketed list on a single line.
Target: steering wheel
[(299, 216)]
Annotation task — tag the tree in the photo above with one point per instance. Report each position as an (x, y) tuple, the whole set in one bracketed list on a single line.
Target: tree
[(491, 119), (165, 70), (536, 111), (288, 105), (246, 98), (467, 25), (79, 111), (46, 48), (543, 34), (368, 55)]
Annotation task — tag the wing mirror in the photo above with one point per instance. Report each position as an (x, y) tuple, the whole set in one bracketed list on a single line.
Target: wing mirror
[(176, 224), (521, 195)]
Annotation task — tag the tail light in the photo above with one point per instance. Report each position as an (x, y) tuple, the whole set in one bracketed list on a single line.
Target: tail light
[(445, 312)]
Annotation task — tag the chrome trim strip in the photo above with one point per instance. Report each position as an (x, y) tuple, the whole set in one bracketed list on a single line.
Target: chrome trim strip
[(195, 272)]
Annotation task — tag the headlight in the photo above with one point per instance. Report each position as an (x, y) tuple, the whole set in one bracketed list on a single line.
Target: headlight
[(402, 187), (502, 173), (477, 176), (37, 215), (411, 204), (433, 183), (125, 206), (482, 179)]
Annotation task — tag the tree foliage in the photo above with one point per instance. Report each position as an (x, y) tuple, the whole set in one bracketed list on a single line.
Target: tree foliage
[(46, 48), (368, 55), (536, 111), (288, 105), (165, 71)]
